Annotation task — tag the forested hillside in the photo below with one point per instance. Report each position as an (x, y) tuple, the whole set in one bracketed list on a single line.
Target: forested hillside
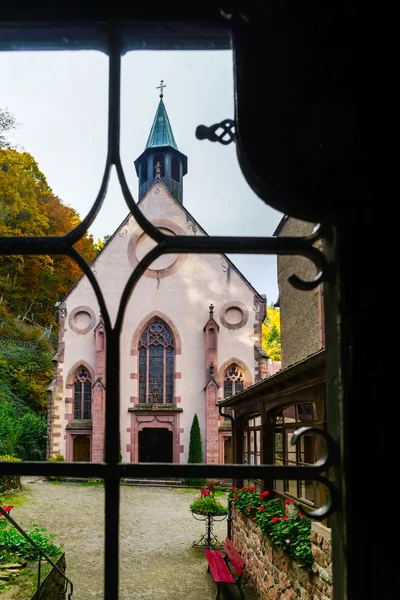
[(29, 288)]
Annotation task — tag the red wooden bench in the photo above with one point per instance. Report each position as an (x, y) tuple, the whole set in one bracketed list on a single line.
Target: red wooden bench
[(6, 509), (219, 567)]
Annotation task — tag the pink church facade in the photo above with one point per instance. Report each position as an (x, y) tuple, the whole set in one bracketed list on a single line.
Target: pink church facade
[(191, 334)]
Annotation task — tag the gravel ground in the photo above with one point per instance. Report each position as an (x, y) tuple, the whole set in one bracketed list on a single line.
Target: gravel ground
[(157, 559)]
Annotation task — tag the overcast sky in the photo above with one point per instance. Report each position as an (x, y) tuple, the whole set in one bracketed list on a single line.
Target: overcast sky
[(60, 100)]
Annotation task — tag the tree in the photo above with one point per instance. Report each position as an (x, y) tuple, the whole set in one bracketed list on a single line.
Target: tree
[(99, 245), (7, 123), (31, 285), (271, 333), (195, 449)]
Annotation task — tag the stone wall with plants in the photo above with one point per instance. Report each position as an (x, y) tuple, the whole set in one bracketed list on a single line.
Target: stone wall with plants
[(271, 573)]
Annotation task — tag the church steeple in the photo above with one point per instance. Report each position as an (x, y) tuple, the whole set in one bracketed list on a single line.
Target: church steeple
[(161, 158)]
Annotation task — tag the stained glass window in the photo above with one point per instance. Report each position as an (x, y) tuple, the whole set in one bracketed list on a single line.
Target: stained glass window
[(156, 364), (233, 383), (82, 395)]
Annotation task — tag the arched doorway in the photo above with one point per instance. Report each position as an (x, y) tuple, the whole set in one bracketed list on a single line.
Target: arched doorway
[(155, 445), (81, 448)]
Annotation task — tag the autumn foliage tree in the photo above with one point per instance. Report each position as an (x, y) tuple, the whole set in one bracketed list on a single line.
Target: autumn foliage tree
[(271, 333), (31, 285)]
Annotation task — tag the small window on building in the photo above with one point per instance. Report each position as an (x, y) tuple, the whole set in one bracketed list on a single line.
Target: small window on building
[(233, 383), (175, 169), (305, 452), (82, 395), (144, 172), (159, 161), (252, 446)]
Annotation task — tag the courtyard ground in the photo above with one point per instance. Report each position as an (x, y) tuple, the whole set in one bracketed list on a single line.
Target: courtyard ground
[(157, 530)]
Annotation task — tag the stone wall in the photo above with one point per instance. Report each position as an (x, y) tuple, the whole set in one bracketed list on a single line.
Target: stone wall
[(272, 574), (300, 311)]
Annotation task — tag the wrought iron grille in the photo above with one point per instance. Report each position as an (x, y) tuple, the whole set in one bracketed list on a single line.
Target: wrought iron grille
[(116, 41)]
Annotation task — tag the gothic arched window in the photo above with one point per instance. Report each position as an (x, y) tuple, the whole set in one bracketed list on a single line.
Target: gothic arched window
[(156, 364), (175, 169), (233, 381), (143, 171), (82, 395), (159, 158)]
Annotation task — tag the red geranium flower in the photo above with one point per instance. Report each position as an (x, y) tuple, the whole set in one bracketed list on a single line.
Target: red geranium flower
[(233, 488), (264, 494), (288, 501), (251, 488), (260, 508), (249, 507), (285, 518), (244, 488), (275, 519), (235, 497), (300, 514)]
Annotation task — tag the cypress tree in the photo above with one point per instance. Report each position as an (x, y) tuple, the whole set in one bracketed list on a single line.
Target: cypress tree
[(195, 449)]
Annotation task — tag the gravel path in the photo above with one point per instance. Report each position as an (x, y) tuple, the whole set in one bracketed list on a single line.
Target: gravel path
[(157, 559)]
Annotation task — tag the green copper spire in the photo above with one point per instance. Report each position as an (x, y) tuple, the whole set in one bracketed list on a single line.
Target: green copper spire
[(161, 131)]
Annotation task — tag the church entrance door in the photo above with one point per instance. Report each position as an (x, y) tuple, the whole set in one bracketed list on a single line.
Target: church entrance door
[(155, 445), (81, 448)]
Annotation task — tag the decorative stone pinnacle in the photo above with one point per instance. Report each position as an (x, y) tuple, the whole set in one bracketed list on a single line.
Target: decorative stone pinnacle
[(161, 87), (211, 311)]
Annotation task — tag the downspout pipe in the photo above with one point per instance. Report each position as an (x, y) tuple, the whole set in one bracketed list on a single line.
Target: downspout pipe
[(229, 516)]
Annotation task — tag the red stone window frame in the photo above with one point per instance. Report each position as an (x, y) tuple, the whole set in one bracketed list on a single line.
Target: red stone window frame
[(82, 395), (234, 379)]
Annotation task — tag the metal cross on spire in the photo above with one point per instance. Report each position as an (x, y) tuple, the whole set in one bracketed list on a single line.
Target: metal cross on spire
[(161, 87)]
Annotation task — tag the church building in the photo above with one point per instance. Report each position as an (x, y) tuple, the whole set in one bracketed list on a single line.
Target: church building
[(191, 334)]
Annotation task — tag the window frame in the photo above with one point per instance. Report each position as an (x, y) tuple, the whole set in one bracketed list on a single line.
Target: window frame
[(84, 385), (166, 396), (115, 39)]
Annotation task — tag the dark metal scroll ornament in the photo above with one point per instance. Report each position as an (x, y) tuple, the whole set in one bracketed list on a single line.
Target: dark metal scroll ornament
[(209, 539), (223, 132), (328, 458)]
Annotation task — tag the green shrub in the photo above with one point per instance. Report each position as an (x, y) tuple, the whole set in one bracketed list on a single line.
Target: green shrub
[(9, 482), (208, 506), (13, 545), (57, 458), (195, 449), (22, 431)]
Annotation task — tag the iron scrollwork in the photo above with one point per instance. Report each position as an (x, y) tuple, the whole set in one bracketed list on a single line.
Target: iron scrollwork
[(223, 132)]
